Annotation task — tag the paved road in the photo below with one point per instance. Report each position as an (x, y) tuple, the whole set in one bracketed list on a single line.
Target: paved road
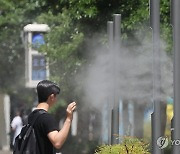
[(5, 152)]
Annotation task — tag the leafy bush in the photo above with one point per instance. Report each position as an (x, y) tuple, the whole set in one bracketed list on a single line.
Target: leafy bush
[(129, 145)]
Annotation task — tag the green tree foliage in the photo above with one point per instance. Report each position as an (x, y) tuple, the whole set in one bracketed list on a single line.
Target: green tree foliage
[(128, 145), (11, 46)]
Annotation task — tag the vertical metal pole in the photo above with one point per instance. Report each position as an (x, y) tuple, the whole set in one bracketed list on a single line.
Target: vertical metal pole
[(117, 31), (110, 43), (105, 123), (121, 122), (131, 118), (109, 110), (156, 120), (176, 46), (117, 36)]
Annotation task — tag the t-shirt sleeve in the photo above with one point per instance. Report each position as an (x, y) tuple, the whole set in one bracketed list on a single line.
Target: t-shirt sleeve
[(48, 123), (13, 123)]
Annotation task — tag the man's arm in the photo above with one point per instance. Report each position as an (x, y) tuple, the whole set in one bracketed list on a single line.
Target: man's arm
[(58, 138)]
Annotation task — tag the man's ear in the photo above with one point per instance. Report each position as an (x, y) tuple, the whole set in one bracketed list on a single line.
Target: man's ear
[(52, 96)]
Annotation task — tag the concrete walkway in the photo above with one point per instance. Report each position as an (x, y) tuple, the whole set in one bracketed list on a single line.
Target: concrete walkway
[(5, 152)]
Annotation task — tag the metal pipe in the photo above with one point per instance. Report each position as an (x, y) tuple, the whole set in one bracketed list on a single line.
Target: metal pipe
[(176, 48), (156, 115), (110, 44), (117, 42)]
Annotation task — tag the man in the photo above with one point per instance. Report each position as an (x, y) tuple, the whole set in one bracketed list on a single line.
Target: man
[(46, 130), (16, 125)]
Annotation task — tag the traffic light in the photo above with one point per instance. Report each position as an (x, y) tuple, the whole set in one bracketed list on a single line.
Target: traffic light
[(36, 64)]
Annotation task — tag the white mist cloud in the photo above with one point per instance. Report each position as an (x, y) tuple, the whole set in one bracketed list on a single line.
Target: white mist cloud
[(126, 74)]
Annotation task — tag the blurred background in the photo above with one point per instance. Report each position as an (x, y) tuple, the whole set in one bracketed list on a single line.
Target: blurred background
[(67, 42)]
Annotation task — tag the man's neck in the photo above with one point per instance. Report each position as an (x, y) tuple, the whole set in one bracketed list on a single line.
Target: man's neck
[(43, 105)]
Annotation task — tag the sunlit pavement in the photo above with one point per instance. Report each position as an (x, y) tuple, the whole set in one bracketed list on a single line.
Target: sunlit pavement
[(5, 152)]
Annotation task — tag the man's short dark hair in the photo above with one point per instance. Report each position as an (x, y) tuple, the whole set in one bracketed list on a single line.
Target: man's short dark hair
[(45, 88)]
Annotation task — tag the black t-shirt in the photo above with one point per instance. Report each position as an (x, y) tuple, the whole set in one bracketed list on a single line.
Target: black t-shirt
[(44, 124)]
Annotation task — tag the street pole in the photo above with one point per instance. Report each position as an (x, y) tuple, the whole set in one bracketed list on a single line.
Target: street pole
[(110, 44), (156, 115), (117, 41), (176, 48)]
